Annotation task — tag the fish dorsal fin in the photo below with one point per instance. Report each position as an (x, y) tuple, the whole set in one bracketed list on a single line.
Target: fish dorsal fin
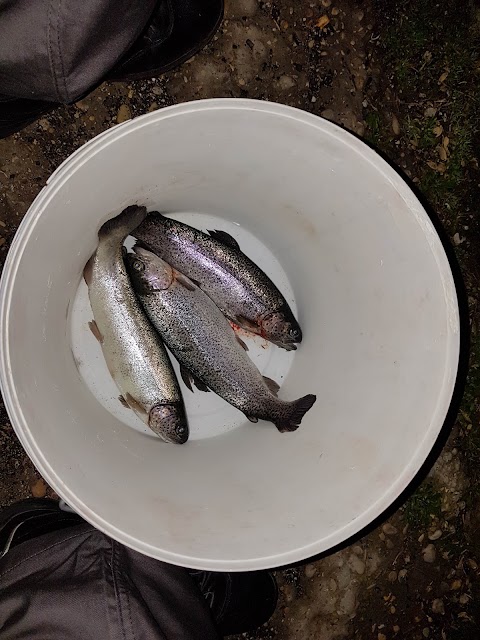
[(224, 238)]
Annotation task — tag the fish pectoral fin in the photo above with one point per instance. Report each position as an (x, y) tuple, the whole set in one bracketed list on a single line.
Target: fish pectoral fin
[(189, 378), (224, 238), (88, 270), (184, 281), (96, 331), (272, 385), (247, 324), (124, 402), (252, 419), (135, 405), (241, 342)]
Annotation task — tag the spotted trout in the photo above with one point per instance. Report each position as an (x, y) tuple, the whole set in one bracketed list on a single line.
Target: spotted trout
[(135, 355), (203, 341), (214, 261)]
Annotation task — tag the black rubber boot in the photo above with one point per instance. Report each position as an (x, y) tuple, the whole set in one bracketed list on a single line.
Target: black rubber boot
[(239, 602), (28, 519), (177, 30), (16, 114)]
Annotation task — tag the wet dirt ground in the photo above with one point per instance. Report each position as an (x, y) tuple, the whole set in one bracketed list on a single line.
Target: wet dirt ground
[(405, 77)]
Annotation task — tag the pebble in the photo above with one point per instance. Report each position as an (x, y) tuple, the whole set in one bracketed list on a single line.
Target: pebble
[(429, 112), (39, 489), (438, 606), (402, 574), (357, 549), (158, 91), (124, 113), (310, 570), (286, 82), (395, 125), (429, 553), (456, 585), (359, 15), (357, 565), (435, 535), (463, 598), (392, 576), (347, 603), (335, 11), (396, 628), (326, 3), (153, 107), (389, 529), (381, 636), (426, 632), (328, 114)]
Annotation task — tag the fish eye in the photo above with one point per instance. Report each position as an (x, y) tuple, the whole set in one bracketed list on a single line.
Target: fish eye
[(138, 266)]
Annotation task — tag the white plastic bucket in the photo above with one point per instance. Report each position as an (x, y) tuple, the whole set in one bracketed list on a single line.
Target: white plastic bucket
[(375, 297)]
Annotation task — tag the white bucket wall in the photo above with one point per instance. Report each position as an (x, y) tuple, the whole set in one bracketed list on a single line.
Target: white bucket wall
[(376, 302)]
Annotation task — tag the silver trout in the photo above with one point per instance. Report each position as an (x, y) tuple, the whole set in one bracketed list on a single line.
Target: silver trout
[(204, 343), (216, 264), (134, 353)]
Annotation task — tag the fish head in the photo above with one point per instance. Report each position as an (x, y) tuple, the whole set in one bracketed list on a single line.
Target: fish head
[(281, 328), (147, 271), (169, 422)]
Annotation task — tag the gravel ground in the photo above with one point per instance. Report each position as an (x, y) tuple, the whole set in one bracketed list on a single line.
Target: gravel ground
[(403, 75)]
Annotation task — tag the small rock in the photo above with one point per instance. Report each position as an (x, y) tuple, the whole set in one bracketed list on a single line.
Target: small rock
[(357, 565), (289, 592), (359, 15), (322, 22), (429, 553), (421, 538), (381, 636), (39, 489), (43, 122), (402, 574), (389, 529), (463, 598), (335, 11), (392, 576), (326, 3), (124, 113), (426, 632), (430, 112), (328, 114), (438, 606), (396, 628), (458, 239), (456, 585), (158, 91), (357, 549), (347, 603), (286, 82), (83, 106), (435, 535), (310, 570), (153, 107), (395, 125), (241, 82), (332, 584), (442, 153)]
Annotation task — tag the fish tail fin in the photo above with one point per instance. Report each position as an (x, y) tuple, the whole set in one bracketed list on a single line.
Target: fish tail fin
[(292, 417), (123, 224)]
